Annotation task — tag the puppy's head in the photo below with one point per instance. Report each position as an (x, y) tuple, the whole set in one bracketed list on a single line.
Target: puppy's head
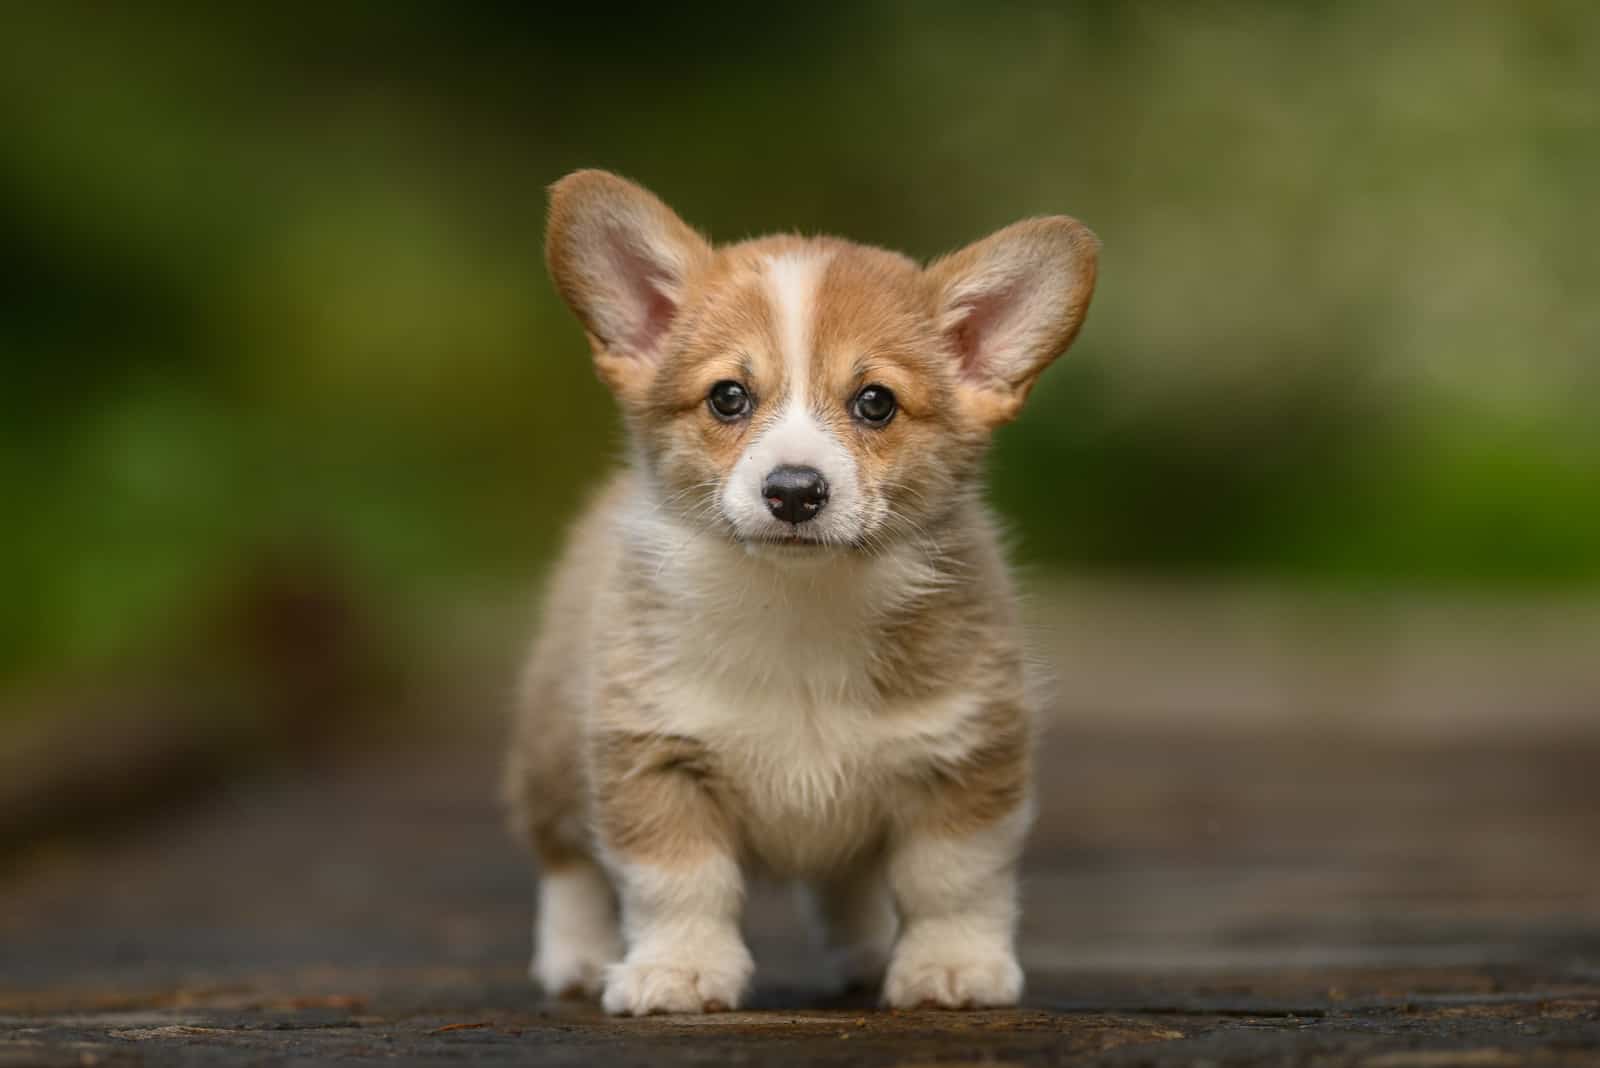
[(806, 395)]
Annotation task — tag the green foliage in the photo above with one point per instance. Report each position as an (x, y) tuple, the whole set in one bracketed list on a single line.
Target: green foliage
[(275, 278)]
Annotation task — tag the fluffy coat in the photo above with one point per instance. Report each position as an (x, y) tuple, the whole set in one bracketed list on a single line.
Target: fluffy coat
[(717, 692)]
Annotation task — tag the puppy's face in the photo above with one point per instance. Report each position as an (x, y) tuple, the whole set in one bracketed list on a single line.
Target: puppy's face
[(806, 396), (805, 401)]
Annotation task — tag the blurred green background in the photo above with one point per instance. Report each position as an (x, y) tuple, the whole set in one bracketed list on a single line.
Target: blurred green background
[(279, 348)]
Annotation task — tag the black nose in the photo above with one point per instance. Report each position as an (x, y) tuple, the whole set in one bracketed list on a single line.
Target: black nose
[(795, 494)]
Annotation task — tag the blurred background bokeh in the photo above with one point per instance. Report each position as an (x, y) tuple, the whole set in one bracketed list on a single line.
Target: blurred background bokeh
[(291, 417)]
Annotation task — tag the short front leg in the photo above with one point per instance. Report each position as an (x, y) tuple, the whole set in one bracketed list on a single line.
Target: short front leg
[(958, 908), (953, 871), (669, 844)]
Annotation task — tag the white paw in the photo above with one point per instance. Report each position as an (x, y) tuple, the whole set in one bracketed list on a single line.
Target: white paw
[(929, 978), (688, 982), (572, 971)]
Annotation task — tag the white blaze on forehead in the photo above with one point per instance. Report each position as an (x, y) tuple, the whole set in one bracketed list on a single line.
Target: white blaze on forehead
[(793, 279), (794, 435)]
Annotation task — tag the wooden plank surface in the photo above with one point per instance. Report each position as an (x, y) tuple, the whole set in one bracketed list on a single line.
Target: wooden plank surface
[(1231, 898)]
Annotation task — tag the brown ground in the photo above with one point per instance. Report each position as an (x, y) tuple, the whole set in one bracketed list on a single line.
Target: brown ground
[(1214, 898)]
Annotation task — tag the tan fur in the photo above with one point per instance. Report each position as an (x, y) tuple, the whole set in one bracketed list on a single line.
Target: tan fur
[(960, 636), (659, 798), (691, 700), (545, 784)]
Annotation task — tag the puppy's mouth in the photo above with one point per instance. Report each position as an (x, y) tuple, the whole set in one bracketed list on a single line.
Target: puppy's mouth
[(791, 547), (789, 542)]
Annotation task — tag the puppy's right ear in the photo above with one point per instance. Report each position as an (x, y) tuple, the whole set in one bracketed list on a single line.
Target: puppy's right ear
[(622, 261)]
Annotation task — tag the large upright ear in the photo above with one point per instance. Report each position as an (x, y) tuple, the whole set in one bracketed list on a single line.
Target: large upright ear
[(1010, 304), (622, 261)]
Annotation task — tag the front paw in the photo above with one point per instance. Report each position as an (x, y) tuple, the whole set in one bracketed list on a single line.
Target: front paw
[(687, 982), (953, 977)]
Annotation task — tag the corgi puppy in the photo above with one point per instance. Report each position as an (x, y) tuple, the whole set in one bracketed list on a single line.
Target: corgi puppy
[(783, 641)]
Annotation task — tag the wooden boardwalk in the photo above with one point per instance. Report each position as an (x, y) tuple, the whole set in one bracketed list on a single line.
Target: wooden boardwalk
[(1235, 899)]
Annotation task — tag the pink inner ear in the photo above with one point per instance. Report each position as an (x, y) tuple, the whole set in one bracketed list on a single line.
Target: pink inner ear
[(650, 310), (974, 334), (653, 322)]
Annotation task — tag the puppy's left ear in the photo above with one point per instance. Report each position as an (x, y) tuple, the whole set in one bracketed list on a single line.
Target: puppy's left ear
[(1010, 304)]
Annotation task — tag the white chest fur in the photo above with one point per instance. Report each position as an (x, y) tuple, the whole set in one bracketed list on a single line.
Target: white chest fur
[(813, 781), (770, 666)]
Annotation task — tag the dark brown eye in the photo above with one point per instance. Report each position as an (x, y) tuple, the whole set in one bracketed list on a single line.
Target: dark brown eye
[(874, 405), (729, 400)]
